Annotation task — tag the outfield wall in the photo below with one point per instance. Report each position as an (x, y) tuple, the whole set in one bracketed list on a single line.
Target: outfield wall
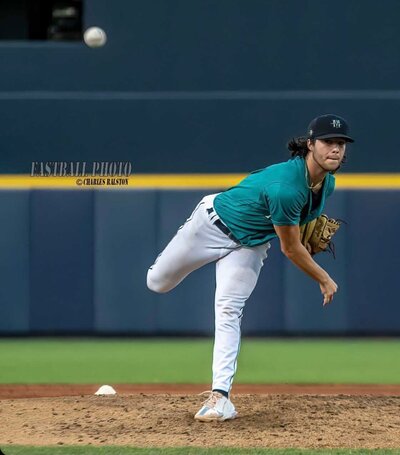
[(75, 262)]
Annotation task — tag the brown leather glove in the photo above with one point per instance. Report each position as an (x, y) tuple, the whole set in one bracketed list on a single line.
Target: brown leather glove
[(317, 235)]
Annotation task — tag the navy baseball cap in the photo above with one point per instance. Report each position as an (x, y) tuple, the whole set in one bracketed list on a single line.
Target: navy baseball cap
[(328, 126)]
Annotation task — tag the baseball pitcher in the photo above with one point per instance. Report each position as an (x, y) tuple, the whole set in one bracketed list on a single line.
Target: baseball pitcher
[(234, 229)]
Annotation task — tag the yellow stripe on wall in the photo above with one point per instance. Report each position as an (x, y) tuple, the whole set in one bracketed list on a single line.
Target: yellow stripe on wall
[(184, 181), (368, 181)]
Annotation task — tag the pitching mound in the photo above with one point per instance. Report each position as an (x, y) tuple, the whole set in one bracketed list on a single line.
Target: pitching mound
[(308, 421)]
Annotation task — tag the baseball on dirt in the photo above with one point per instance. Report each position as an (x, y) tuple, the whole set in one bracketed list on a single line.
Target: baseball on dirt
[(95, 37)]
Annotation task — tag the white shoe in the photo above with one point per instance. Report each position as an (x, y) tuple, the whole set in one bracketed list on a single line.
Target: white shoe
[(216, 407)]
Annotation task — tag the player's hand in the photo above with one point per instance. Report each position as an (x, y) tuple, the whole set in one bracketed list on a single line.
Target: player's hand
[(328, 289)]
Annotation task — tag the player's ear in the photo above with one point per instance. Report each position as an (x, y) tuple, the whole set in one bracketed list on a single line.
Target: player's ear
[(310, 144)]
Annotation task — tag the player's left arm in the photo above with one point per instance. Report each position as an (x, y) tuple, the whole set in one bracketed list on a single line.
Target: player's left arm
[(294, 250)]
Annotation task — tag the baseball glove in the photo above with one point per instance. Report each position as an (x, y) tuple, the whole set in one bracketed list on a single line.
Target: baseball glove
[(317, 235)]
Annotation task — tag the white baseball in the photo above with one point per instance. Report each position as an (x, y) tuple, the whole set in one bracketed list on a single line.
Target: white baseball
[(95, 37)]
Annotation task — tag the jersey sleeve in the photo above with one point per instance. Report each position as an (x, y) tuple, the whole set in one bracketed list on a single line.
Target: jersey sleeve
[(285, 204)]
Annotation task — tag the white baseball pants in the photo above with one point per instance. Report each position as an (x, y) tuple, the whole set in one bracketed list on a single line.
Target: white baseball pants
[(199, 242)]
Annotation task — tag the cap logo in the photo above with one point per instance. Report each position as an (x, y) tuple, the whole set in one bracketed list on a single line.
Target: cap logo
[(336, 123), (310, 132)]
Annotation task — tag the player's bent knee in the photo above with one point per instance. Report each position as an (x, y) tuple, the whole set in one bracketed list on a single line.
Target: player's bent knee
[(156, 285)]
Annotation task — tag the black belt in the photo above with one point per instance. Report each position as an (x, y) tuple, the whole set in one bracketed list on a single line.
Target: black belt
[(221, 226)]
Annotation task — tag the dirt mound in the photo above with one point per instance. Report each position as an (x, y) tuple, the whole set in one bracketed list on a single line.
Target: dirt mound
[(166, 420)]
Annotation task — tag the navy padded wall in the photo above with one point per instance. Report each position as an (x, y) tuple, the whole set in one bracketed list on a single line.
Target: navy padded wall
[(14, 261), (61, 261), (125, 246), (373, 261), (76, 261)]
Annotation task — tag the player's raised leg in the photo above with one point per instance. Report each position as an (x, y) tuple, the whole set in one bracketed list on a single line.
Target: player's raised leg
[(196, 243)]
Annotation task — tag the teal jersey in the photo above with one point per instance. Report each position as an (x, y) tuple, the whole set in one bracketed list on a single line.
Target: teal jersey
[(276, 195)]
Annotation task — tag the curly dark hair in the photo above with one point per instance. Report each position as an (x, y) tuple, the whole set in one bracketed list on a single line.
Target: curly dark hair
[(298, 146)]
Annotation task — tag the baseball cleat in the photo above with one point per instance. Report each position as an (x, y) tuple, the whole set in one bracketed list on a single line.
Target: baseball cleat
[(216, 408)]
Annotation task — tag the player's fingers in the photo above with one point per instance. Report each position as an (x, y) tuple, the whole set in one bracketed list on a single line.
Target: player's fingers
[(328, 298)]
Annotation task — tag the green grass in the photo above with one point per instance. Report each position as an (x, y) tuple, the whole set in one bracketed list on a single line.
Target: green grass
[(20, 450), (189, 361)]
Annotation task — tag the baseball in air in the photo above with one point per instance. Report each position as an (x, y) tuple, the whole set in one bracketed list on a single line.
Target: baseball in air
[(95, 37)]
